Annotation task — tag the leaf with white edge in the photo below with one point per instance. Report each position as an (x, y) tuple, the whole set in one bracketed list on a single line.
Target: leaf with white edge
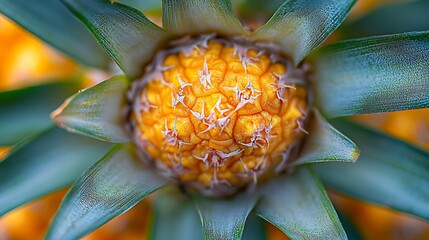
[(389, 172), (43, 164), (299, 206), (174, 211), (200, 16), (125, 33), (25, 112), (109, 188), (375, 74), (225, 218), (53, 23), (326, 144), (97, 111), (299, 26)]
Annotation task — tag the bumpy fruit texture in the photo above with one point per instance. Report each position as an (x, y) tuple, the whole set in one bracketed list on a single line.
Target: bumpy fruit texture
[(217, 115)]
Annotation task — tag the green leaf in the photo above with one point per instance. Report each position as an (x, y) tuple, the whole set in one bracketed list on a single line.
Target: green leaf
[(389, 172), (174, 211), (200, 16), (390, 19), (325, 144), (299, 26), (46, 163), (53, 23), (109, 188), (376, 74), (124, 32), (299, 206), (225, 218), (146, 6), (97, 112), (255, 228), (25, 112)]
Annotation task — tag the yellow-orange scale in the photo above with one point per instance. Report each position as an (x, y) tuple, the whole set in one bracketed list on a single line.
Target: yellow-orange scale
[(217, 116)]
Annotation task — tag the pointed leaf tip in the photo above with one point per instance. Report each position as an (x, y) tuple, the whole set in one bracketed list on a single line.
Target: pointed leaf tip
[(97, 111), (326, 144), (389, 172)]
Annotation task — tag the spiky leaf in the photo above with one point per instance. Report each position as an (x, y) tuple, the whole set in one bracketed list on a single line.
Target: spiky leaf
[(299, 26), (97, 112), (324, 144), (299, 206), (124, 32), (109, 188), (200, 16), (389, 172), (44, 164), (225, 218), (25, 112), (375, 74), (174, 211)]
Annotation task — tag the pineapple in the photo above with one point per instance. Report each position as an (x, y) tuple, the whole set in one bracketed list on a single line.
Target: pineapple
[(264, 144)]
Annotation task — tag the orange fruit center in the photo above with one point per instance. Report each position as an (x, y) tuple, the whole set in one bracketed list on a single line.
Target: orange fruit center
[(216, 115)]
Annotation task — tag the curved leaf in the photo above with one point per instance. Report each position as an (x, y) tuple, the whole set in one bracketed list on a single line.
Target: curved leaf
[(326, 144), (109, 188), (200, 16), (174, 211), (97, 111), (225, 218), (376, 74), (45, 164), (124, 32), (299, 26), (299, 206), (389, 172), (53, 23), (25, 112)]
